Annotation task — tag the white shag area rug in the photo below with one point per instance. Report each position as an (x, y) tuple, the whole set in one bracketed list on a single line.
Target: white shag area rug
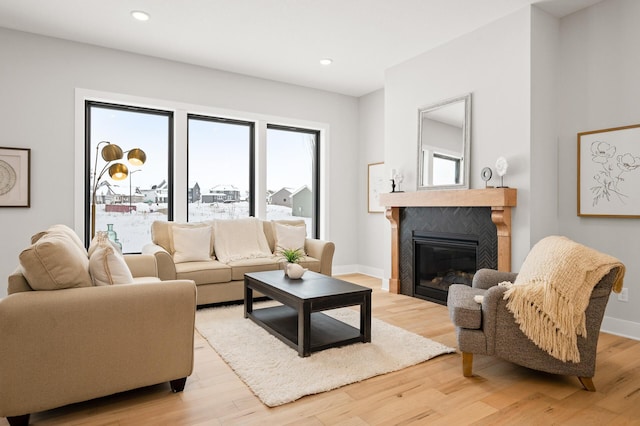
[(277, 375)]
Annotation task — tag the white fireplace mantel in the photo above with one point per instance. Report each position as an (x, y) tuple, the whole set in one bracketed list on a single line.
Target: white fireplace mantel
[(500, 200)]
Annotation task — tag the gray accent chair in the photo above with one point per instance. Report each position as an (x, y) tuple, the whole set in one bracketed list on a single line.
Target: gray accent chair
[(490, 328)]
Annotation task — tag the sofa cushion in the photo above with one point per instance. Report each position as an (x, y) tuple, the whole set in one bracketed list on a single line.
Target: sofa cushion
[(289, 237), (61, 230), (204, 272), (243, 266), (98, 238), (162, 235), (55, 262), (106, 265), (464, 311), (240, 239), (269, 232), (191, 244)]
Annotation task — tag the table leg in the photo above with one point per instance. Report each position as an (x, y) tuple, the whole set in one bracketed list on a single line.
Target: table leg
[(365, 318), (304, 330), (248, 299)]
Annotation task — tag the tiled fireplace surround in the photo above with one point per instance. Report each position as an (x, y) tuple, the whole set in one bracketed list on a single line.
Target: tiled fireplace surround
[(485, 213)]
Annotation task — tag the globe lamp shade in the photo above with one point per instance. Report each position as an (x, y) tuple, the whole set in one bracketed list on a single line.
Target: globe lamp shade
[(118, 171), (137, 157), (111, 152)]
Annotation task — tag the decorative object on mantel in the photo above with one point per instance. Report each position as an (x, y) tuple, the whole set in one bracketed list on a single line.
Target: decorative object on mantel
[(501, 170), (15, 181), (377, 185), (111, 154), (396, 180), (609, 172), (486, 174)]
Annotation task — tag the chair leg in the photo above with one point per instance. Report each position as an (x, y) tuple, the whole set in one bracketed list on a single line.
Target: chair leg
[(22, 420), (587, 383), (467, 364), (178, 384)]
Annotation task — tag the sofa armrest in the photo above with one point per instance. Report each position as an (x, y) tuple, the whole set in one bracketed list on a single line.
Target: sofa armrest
[(487, 278), (65, 346), (164, 261), (323, 251), (142, 265)]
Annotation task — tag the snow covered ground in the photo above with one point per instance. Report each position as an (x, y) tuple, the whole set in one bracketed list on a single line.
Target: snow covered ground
[(134, 229)]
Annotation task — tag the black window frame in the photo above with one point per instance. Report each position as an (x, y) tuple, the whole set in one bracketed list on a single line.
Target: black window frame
[(252, 154), (87, 155), (315, 220)]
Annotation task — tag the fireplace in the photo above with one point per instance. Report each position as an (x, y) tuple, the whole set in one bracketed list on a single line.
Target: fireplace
[(441, 259)]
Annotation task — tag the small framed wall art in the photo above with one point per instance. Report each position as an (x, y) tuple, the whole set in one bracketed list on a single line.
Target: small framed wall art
[(15, 177), (609, 172), (376, 186)]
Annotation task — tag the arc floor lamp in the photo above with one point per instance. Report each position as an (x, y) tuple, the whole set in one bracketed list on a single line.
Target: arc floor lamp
[(112, 154)]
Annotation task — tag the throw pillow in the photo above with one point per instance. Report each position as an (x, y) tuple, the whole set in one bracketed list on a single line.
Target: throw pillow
[(289, 237), (55, 262), (191, 244), (238, 239), (100, 235), (106, 265)]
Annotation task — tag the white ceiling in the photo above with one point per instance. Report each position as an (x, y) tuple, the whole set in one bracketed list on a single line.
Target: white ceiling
[(280, 40)]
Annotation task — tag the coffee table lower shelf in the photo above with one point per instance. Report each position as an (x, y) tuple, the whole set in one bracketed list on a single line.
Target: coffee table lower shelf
[(326, 332)]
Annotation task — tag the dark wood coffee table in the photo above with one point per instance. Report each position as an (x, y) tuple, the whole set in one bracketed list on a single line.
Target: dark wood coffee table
[(299, 322)]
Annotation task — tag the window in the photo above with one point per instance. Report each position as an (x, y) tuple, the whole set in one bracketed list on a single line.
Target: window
[(446, 169), (128, 206), (292, 175), (198, 166), (221, 168)]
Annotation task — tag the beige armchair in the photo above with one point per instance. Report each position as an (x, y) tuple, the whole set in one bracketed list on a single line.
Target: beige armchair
[(64, 346), (490, 328)]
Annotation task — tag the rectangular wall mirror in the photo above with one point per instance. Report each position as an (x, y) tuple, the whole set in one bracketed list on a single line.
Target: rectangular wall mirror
[(444, 144)]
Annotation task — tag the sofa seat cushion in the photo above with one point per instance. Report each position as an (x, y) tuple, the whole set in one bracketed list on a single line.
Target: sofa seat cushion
[(464, 311), (204, 272), (241, 267), (55, 262)]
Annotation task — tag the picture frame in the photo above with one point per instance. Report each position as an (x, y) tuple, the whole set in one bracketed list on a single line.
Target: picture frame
[(377, 185), (15, 177), (609, 172)]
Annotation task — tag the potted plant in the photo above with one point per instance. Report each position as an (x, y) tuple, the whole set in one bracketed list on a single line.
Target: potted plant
[(291, 255)]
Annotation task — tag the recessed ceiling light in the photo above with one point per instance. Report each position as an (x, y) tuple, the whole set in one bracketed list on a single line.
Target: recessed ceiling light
[(326, 61), (140, 15)]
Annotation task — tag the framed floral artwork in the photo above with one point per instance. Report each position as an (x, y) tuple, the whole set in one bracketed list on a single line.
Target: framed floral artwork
[(15, 177), (609, 172)]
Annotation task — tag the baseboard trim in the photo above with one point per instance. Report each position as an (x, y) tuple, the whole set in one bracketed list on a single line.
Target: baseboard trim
[(621, 327)]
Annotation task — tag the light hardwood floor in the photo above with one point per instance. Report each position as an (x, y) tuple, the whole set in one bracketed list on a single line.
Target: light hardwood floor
[(434, 392)]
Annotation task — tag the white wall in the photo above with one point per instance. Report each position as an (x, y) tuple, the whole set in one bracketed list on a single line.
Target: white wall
[(492, 63), (38, 78), (599, 89), (373, 228)]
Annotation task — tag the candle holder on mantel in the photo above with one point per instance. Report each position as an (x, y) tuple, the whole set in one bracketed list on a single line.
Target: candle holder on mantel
[(396, 180)]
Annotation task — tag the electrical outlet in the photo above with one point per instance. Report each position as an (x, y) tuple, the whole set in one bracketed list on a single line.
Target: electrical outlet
[(623, 296)]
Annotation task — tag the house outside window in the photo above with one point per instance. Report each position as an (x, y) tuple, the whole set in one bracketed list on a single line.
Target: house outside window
[(292, 175)]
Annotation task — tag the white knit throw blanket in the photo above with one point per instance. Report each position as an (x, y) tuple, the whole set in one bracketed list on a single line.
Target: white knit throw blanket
[(552, 291)]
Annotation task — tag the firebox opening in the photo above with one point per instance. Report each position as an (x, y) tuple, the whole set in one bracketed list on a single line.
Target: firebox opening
[(442, 259)]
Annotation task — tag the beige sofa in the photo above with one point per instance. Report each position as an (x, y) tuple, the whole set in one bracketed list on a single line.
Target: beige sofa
[(71, 341), (221, 280)]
